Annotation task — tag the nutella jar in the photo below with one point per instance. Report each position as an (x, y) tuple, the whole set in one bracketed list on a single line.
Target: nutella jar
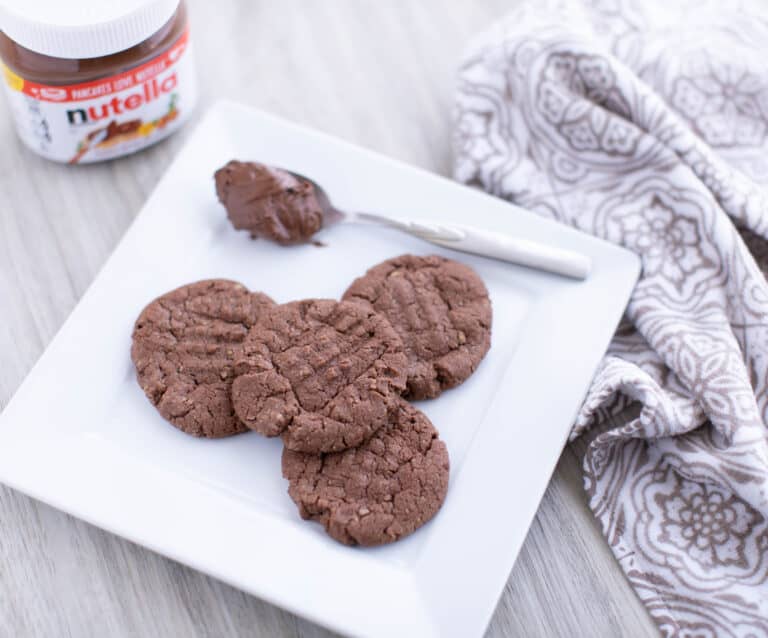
[(90, 80)]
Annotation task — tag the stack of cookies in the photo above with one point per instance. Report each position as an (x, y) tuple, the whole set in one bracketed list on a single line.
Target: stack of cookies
[(332, 378)]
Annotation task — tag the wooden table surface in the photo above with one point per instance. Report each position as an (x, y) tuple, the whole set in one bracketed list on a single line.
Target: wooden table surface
[(379, 74)]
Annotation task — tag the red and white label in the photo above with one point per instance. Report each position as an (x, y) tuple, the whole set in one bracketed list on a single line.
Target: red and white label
[(106, 118)]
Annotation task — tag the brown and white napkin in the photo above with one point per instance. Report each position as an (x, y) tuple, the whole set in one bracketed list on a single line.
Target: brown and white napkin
[(646, 124)]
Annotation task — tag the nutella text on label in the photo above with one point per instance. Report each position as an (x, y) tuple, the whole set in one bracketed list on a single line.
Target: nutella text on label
[(103, 119), (119, 81)]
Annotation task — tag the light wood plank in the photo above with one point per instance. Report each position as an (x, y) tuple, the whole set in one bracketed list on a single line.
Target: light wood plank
[(379, 74)]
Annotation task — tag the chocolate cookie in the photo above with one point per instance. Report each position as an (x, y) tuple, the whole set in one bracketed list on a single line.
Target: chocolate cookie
[(441, 310), (378, 492), (323, 374), (184, 348)]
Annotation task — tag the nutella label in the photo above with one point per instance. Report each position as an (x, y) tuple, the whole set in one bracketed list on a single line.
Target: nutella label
[(109, 117)]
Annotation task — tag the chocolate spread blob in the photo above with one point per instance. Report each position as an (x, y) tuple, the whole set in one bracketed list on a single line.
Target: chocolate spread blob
[(269, 202)]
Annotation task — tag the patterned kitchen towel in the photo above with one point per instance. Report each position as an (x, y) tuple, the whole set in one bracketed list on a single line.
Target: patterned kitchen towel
[(646, 124)]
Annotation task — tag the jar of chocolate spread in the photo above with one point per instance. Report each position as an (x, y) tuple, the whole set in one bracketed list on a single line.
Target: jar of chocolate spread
[(89, 80)]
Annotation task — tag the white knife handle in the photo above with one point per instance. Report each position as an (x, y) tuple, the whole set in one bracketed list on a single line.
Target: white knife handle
[(491, 244)]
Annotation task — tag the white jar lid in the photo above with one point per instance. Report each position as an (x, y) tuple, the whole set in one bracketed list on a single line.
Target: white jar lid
[(82, 28)]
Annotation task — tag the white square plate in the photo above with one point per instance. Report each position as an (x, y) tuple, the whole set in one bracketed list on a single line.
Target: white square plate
[(80, 434)]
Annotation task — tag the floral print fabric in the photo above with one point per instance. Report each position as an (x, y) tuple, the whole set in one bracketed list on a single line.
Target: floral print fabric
[(646, 124)]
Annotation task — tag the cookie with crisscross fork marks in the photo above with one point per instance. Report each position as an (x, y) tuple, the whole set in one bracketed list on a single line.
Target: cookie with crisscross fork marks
[(323, 374), (378, 492), (185, 344), (441, 310)]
